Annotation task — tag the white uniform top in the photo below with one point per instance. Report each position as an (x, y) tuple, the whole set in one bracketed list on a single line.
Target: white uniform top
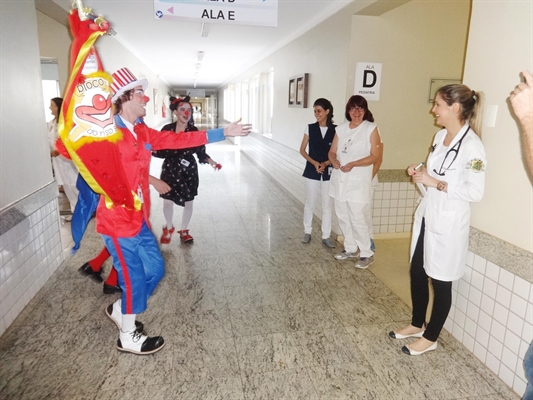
[(65, 171), (447, 215), (352, 145)]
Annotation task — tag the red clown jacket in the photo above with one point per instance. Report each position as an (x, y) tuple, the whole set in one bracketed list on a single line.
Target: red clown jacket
[(135, 153)]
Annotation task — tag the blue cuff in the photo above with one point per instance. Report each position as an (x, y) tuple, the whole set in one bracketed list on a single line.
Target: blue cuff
[(215, 135)]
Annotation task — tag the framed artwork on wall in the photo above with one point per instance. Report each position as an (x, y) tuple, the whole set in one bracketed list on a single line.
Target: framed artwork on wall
[(298, 89), (292, 92), (436, 83)]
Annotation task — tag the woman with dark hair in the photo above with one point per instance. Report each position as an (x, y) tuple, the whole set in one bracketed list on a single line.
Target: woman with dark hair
[(454, 178), (319, 137), (180, 171), (355, 149), (65, 171)]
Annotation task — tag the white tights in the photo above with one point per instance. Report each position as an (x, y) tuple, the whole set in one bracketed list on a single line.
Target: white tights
[(168, 212)]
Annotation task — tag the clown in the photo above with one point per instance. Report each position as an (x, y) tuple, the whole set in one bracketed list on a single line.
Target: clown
[(113, 156), (126, 231), (180, 171)]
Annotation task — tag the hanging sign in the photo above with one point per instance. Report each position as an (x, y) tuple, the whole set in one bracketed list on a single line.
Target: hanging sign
[(368, 80), (239, 12)]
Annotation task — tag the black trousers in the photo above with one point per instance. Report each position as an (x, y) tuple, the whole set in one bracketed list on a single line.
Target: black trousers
[(442, 299)]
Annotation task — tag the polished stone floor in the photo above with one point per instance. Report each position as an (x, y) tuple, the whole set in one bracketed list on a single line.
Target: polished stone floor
[(247, 312)]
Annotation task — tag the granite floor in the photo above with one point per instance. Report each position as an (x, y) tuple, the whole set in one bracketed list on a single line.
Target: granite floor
[(247, 312)]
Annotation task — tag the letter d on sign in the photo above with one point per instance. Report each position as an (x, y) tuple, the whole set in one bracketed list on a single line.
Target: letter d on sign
[(368, 80), (369, 74)]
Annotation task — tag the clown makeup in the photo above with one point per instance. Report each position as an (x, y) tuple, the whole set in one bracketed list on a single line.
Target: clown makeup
[(183, 113)]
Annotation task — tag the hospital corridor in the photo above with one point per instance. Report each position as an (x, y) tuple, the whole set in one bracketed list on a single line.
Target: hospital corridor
[(247, 312), (287, 139)]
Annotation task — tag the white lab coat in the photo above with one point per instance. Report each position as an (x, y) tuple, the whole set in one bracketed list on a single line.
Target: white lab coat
[(65, 171), (447, 215)]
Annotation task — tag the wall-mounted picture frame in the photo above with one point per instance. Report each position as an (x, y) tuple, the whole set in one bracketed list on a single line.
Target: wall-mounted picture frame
[(292, 92), (298, 89), (436, 83)]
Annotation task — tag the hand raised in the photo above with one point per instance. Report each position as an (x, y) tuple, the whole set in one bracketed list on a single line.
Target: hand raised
[(237, 129)]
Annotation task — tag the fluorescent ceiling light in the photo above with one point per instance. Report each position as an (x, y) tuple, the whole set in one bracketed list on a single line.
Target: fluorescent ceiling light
[(205, 29)]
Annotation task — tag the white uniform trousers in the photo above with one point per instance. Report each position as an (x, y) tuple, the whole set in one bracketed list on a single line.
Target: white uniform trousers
[(312, 188), (66, 175), (353, 223)]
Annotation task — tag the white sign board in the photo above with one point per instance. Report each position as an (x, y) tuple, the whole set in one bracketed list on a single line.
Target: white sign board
[(368, 80), (239, 12)]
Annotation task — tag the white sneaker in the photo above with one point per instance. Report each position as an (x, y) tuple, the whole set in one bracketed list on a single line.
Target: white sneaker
[(364, 262), (137, 343), (114, 313), (346, 254)]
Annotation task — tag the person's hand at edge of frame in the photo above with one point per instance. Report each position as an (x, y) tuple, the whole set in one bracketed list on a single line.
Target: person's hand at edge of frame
[(522, 99)]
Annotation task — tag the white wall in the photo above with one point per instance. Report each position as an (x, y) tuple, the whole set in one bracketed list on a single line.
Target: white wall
[(323, 52), (54, 42), (415, 42), (500, 45), (24, 154)]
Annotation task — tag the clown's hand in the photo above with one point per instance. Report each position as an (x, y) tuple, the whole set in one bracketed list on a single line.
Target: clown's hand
[(237, 129)]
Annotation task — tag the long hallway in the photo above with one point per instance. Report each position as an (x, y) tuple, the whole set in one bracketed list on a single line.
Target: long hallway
[(247, 312)]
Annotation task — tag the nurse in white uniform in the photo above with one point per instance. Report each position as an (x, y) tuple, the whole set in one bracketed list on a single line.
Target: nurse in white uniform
[(454, 178), (355, 148)]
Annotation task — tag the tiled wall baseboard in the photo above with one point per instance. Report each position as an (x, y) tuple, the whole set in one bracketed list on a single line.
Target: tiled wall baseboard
[(492, 315), (492, 310), (30, 250)]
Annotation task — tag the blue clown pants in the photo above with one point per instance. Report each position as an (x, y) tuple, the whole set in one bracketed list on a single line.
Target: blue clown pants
[(140, 267)]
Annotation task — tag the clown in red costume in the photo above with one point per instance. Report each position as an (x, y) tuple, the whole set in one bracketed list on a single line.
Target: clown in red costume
[(112, 153), (126, 231)]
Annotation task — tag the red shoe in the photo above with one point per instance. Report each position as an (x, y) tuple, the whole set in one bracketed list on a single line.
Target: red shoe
[(167, 235), (184, 236)]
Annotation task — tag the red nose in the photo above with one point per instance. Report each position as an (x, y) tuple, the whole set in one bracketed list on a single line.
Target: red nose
[(146, 99)]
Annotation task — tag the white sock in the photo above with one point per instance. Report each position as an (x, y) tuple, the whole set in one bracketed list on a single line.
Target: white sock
[(128, 322), (168, 212), (187, 215)]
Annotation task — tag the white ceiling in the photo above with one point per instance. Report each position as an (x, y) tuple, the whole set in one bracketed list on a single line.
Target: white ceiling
[(170, 48)]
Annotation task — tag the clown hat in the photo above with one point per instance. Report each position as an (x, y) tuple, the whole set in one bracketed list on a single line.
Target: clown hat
[(124, 80)]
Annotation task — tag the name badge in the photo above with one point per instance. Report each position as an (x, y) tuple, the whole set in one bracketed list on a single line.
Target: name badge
[(184, 162)]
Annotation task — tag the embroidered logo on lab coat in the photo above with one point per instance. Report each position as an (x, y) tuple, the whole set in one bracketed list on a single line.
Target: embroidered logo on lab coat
[(476, 165)]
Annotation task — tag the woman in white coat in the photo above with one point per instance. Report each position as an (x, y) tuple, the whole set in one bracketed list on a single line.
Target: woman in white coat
[(65, 171), (355, 148), (454, 178)]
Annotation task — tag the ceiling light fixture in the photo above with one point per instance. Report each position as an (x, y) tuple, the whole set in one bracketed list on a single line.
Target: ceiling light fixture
[(205, 29), (200, 56)]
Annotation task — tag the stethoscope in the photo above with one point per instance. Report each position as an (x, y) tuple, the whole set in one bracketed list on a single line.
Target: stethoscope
[(455, 150)]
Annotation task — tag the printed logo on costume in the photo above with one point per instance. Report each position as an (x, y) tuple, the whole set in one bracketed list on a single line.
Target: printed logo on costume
[(476, 165), (92, 116)]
